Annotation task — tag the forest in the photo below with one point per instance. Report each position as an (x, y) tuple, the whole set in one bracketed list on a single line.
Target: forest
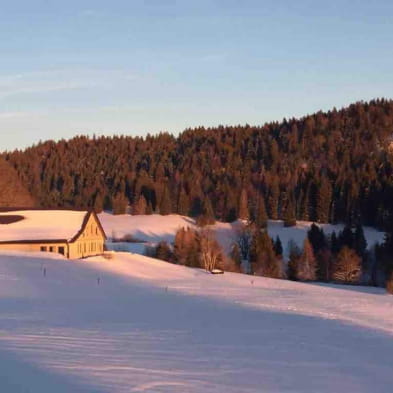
[(333, 166)]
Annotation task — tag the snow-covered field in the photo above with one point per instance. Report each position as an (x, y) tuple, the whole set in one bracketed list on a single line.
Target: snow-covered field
[(154, 228), (134, 324)]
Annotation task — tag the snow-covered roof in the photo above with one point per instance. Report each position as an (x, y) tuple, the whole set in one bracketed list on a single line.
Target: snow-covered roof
[(42, 225)]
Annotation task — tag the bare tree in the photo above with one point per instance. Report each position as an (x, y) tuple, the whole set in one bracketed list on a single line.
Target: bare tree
[(210, 251)]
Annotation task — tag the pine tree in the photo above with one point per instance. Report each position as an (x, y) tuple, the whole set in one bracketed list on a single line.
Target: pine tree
[(304, 209), (98, 203), (324, 197), (207, 216), (243, 206), (274, 193), (263, 258), (289, 214), (165, 203), (260, 213), (180, 247), (186, 249), (360, 243), (324, 262), (317, 238), (306, 267), (140, 206), (278, 247), (294, 257), (334, 243), (149, 208), (119, 203), (183, 204), (163, 252), (346, 238)]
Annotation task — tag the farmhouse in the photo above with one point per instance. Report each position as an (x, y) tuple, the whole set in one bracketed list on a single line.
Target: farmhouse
[(74, 234)]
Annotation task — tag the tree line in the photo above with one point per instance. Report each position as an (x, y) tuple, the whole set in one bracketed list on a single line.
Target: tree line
[(341, 257)]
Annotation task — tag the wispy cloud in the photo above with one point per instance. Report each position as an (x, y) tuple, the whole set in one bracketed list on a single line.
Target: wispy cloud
[(121, 108), (13, 115), (60, 80)]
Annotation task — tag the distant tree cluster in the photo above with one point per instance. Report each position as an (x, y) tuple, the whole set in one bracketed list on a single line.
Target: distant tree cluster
[(193, 248), (341, 258)]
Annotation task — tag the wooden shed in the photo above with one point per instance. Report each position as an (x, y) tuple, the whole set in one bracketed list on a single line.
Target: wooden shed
[(74, 234)]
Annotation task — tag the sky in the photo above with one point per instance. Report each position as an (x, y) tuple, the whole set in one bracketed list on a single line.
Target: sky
[(137, 67)]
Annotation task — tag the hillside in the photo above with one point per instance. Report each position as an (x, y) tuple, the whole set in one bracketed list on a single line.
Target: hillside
[(326, 167), (149, 326), (13, 192), (155, 228)]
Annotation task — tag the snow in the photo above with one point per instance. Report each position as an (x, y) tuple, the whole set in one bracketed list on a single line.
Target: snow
[(147, 228), (155, 228), (42, 224), (135, 324)]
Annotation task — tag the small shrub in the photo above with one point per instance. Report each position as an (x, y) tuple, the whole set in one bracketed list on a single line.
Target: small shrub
[(108, 255)]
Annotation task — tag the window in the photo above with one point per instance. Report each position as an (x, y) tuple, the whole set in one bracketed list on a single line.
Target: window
[(61, 250), (43, 248), (50, 249)]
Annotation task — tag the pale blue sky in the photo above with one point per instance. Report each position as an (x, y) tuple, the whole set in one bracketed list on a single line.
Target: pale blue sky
[(133, 67)]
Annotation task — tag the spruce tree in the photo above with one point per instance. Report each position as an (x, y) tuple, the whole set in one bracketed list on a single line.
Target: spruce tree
[(289, 214), (163, 252), (260, 212), (166, 203), (274, 193), (334, 243), (324, 197), (360, 243), (263, 257), (243, 206), (306, 267), (317, 238), (183, 204), (140, 206), (346, 237), (278, 247), (294, 257)]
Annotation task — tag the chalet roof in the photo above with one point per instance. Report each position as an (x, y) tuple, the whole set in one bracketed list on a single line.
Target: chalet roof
[(49, 225)]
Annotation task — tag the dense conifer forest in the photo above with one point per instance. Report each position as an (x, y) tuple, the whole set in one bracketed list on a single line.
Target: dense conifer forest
[(326, 167), (12, 192)]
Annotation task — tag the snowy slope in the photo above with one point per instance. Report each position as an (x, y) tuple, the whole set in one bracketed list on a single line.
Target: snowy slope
[(154, 228), (133, 324), (148, 228)]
